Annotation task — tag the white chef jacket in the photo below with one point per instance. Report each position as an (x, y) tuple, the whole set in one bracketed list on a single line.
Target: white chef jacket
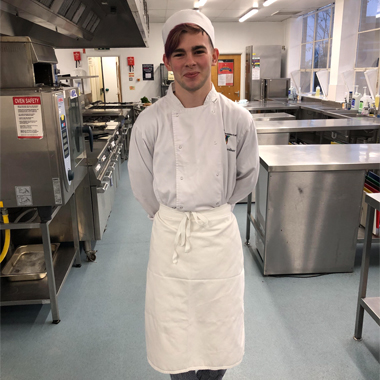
[(193, 159)]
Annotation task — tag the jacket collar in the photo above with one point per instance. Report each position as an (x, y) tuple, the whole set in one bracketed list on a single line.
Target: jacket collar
[(211, 97)]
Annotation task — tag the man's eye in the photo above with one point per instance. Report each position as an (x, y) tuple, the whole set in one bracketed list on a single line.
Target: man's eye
[(178, 55), (199, 51)]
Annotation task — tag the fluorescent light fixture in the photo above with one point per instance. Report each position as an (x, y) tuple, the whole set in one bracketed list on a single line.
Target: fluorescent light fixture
[(199, 3), (248, 14), (378, 15), (268, 2)]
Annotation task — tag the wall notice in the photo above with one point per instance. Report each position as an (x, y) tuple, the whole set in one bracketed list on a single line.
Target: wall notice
[(255, 68), (225, 72), (148, 71), (28, 117)]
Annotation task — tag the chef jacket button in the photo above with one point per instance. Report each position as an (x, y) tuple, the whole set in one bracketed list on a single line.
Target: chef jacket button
[(217, 174), (217, 203), (181, 178), (215, 142), (180, 207), (180, 147)]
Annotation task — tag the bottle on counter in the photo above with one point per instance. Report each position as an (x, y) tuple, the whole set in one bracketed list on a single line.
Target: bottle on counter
[(364, 102), (349, 100), (318, 91), (290, 93), (356, 99), (377, 102)]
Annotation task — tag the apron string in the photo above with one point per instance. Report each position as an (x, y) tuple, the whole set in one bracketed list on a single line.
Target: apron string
[(184, 230)]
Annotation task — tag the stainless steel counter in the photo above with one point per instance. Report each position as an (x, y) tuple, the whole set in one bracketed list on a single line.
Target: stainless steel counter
[(283, 158), (308, 202), (287, 126), (272, 116)]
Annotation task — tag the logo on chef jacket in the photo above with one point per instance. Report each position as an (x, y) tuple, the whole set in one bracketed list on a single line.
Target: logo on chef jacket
[(230, 142)]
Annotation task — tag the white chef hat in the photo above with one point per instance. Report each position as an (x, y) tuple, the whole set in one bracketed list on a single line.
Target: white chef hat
[(188, 16)]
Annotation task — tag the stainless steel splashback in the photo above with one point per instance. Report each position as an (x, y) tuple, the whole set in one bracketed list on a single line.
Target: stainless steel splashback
[(20, 58)]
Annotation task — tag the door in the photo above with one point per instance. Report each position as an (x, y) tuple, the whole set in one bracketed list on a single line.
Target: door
[(226, 75), (111, 78), (95, 69)]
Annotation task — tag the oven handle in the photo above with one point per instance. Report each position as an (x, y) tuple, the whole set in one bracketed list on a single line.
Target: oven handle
[(88, 129), (116, 156), (103, 189)]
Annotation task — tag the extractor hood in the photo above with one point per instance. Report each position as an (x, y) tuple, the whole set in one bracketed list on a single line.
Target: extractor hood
[(77, 23)]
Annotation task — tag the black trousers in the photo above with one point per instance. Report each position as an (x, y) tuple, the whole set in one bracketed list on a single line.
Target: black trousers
[(200, 375)]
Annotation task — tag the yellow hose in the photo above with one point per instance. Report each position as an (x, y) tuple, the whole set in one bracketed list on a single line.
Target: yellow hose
[(7, 234)]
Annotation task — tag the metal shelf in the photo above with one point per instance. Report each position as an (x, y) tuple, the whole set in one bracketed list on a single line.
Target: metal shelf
[(46, 290), (37, 291), (369, 304)]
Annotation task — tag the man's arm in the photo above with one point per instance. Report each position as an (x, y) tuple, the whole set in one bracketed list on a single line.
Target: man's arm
[(140, 167), (247, 164)]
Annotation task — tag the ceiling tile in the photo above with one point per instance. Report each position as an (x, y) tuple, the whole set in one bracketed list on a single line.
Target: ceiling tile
[(180, 4), (217, 4), (212, 13), (157, 13), (240, 4), (157, 20), (236, 13), (156, 4)]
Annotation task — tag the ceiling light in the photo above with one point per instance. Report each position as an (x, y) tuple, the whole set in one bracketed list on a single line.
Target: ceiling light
[(248, 14), (199, 3), (378, 15), (268, 2)]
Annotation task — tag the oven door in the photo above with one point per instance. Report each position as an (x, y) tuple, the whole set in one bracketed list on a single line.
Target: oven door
[(103, 197)]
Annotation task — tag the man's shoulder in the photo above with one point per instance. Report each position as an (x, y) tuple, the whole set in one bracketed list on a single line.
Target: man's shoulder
[(235, 110), (152, 114)]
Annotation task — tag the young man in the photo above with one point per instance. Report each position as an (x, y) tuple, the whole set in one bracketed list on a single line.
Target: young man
[(193, 155)]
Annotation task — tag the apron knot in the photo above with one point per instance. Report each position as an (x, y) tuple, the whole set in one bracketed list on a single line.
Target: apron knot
[(184, 230)]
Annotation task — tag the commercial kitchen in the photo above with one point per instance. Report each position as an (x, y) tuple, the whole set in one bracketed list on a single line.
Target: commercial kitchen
[(75, 76)]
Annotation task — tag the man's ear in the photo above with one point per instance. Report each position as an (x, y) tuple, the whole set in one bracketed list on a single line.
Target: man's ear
[(215, 56), (166, 62)]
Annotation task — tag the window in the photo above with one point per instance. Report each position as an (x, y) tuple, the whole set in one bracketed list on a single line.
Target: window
[(316, 46), (368, 46)]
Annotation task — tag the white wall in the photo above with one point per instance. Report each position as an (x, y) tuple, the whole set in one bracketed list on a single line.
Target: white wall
[(231, 38)]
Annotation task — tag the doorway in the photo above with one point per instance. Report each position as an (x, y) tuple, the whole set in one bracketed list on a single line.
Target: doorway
[(226, 75), (107, 87)]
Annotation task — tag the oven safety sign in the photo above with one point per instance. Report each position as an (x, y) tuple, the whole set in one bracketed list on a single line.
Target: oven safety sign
[(24, 195), (28, 117)]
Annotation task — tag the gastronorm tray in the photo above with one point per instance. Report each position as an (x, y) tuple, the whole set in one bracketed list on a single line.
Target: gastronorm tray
[(27, 263)]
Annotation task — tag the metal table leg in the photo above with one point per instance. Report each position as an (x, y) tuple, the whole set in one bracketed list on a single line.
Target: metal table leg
[(364, 273), (73, 207), (248, 230), (50, 272)]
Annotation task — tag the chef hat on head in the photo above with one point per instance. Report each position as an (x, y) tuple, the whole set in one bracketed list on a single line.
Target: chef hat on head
[(188, 16)]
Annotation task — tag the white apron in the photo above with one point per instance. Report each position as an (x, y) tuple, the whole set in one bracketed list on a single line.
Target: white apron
[(194, 311)]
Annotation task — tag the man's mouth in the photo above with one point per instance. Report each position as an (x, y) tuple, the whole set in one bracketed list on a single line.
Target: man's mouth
[(191, 74)]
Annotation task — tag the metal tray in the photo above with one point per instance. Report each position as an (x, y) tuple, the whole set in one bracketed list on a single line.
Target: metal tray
[(27, 263)]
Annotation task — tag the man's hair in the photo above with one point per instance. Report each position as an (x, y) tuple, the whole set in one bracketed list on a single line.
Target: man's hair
[(175, 34)]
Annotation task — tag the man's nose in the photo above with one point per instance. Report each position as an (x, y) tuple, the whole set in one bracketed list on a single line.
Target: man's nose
[(190, 60)]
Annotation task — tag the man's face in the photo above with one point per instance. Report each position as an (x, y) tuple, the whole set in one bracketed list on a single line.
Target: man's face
[(192, 60)]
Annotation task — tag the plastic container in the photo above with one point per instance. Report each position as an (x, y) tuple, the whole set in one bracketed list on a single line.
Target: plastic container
[(356, 99), (365, 101)]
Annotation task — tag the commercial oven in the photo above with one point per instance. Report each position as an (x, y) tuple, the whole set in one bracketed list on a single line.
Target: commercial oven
[(43, 157)]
